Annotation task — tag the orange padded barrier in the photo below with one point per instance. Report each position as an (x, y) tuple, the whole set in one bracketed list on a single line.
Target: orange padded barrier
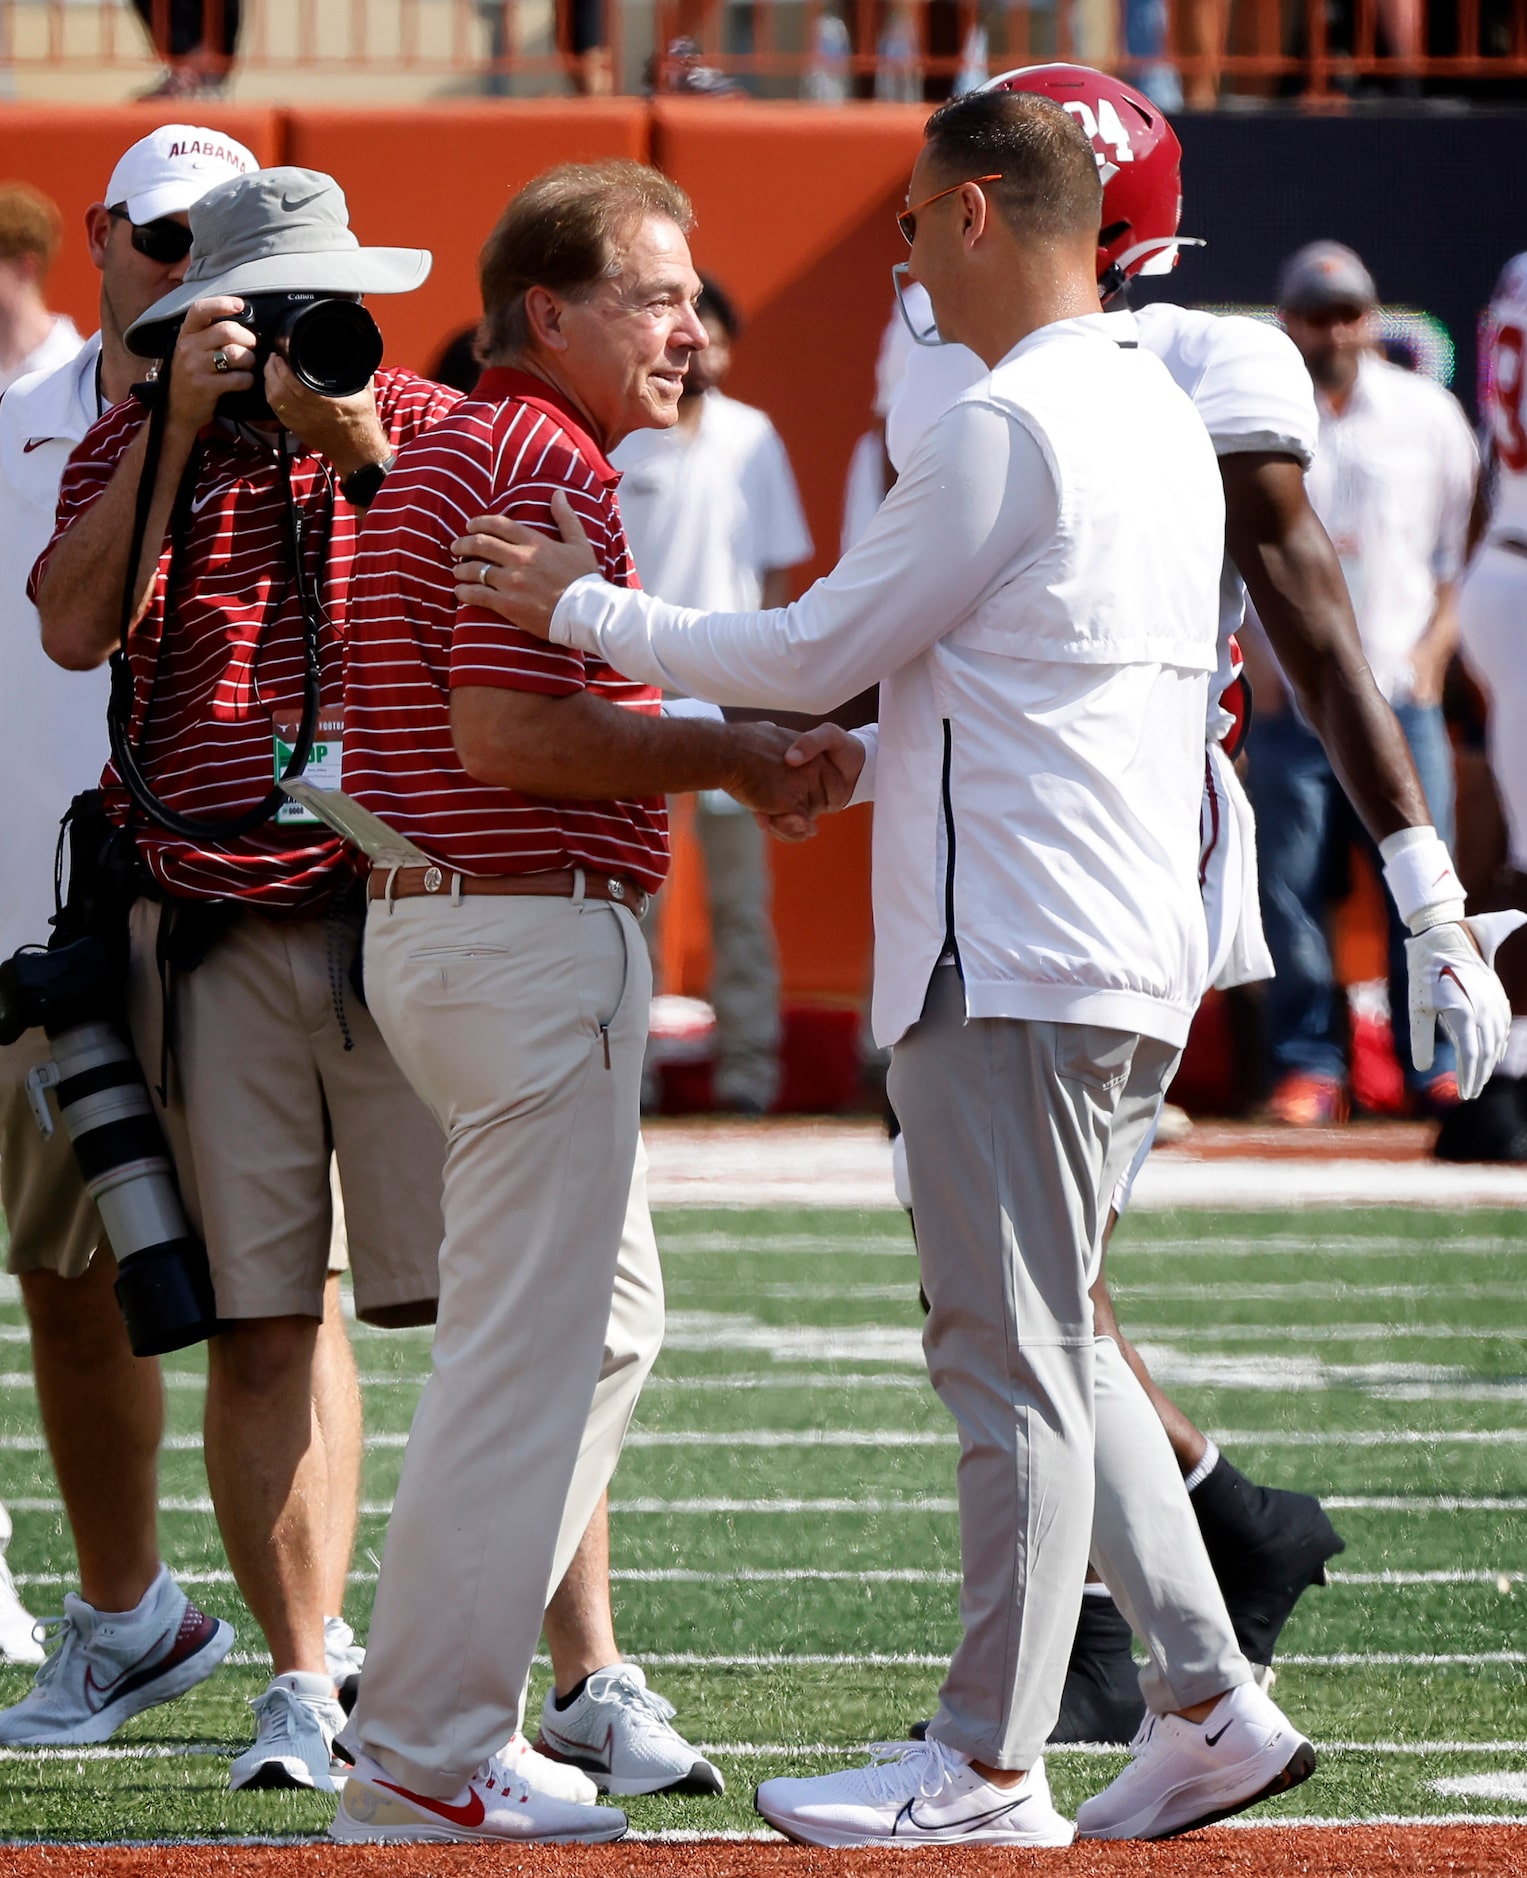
[(69, 153), (437, 177)]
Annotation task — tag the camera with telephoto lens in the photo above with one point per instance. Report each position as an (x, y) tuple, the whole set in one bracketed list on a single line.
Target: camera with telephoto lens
[(332, 344), (75, 991)]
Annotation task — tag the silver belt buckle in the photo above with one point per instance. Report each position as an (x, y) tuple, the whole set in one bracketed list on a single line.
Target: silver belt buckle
[(434, 880), (616, 888)]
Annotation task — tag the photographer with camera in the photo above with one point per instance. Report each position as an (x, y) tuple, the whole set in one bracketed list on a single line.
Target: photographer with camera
[(102, 1411), (204, 542)]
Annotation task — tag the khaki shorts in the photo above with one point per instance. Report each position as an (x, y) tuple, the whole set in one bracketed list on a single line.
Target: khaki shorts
[(275, 1066), (54, 1226)]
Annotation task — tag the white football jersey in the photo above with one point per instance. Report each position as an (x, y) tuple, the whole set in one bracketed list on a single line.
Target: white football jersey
[(1245, 378), (1506, 397)]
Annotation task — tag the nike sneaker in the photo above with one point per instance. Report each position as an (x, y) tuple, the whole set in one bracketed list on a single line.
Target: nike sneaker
[(18, 1627), (105, 1666), (558, 1780), (1182, 1774), (496, 1804), (620, 1733), (914, 1793), (296, 1720)]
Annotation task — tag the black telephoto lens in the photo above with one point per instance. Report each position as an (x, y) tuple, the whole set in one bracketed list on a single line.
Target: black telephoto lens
[(163, 1287), (334, 347)]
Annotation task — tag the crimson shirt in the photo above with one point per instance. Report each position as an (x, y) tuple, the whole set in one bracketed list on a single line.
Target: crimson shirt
[(230, 669), (505, 451)]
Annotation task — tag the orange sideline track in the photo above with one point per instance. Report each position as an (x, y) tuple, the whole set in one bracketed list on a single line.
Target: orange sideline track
[(1320, 1851)]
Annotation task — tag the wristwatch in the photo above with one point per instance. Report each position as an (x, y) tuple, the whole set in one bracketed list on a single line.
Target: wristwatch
[(360, 487)]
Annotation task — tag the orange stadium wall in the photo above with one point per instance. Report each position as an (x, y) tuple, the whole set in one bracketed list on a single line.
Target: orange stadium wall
[(795, 206)]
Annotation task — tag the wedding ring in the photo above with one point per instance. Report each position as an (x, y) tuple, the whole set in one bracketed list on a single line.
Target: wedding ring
[(482, 572), (220, 361)]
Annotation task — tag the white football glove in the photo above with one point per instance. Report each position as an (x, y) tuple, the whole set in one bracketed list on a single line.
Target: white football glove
[(1453, 985)]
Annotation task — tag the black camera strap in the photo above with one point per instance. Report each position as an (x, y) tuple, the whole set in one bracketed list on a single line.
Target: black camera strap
[(119, 712)]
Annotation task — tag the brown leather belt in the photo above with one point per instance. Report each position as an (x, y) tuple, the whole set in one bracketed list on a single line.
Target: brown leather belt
[(408, 883)]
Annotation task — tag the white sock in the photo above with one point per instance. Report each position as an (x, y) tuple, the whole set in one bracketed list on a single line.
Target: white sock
[(1204, 1468), (306, 1683), (1098, 1590), (1514, 1063)]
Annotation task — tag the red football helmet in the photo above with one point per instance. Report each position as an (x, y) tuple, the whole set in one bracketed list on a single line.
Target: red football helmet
[(1139, 159)]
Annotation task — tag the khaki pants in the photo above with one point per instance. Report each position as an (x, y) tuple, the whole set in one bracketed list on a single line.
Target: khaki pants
[(276, 1067), (1016, 1133), (53, 1224), (521, 1021)]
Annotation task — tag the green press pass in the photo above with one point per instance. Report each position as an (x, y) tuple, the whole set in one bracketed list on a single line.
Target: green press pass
[(322, 769)]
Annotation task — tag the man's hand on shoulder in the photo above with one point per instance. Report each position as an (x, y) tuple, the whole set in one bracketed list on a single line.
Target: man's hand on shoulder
[(519, 573), (347, 431)]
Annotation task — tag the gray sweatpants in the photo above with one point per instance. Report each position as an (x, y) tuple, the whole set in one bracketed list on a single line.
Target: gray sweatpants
[(1016, 1132)]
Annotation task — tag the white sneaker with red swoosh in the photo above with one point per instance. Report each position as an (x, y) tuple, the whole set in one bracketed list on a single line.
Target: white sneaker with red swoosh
[(914, 1793), (105, 1666), (1184, 1774), (495, 1805)]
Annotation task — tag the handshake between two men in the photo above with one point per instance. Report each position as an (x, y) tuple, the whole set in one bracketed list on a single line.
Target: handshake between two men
[(788, 779)]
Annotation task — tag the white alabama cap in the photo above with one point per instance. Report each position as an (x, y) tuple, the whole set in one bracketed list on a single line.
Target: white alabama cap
[(172, 167)]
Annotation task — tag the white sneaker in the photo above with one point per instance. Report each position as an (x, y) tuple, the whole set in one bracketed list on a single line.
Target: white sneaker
[(18, 1627), (618, 1731), (558, 1780), (1183, 1774), (106, 1666), (914, 1793), (495, 1804), (296, 1721), (344, 1659)]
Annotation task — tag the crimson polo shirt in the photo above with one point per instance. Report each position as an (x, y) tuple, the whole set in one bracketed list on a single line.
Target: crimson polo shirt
[(506, 451), (211, 687)]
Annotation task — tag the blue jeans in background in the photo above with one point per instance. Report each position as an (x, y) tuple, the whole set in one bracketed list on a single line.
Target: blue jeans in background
[(1305, 827)]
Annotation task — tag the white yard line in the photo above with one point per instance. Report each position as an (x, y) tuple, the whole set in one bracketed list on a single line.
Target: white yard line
[(746, 1750), (891, 1503), (918, 1659), (896, 1575)]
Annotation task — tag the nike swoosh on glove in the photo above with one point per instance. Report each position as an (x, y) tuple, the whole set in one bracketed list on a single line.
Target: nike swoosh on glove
[(1453, 985)]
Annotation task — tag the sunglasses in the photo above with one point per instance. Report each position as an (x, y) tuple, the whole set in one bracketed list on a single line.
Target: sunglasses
[(907, 220), (164, 241)]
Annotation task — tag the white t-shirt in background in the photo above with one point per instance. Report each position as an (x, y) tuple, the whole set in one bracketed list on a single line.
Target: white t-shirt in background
[(709, 512), (52, 722), (61, 344), (1393, 482)]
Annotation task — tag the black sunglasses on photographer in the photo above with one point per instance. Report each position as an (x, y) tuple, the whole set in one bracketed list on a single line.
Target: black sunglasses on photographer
[(164, 241)]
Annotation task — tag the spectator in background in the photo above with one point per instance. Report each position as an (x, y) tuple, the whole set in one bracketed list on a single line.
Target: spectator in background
[(1392, 481), (197, 39), (714, 521), (31, 338)]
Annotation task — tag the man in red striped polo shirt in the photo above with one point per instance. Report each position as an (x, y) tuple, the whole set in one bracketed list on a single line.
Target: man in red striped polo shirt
[(511, 980), (266, 1062)]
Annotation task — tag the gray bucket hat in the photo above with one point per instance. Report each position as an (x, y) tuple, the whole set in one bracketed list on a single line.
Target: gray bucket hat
[(276, 231)]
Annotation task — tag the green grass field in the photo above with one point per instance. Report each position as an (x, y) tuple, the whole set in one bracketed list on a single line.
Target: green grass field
[(783, 1540)]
